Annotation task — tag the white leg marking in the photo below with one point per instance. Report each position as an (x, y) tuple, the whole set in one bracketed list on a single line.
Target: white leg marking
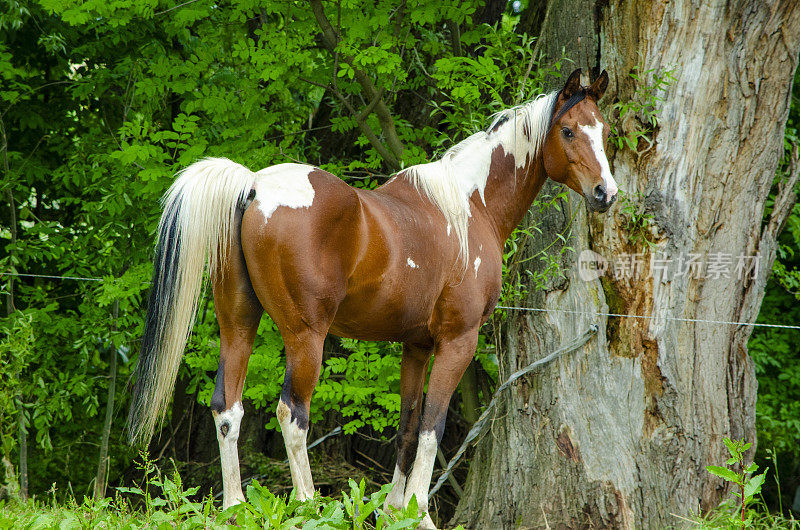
[(395, 497), (420, 479), (295, 440), (595, 134), (228, 423)]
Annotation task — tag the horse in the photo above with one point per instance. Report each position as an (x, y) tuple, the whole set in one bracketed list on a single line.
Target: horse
[(416, 260)]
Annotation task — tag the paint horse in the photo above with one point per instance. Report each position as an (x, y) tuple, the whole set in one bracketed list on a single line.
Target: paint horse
[(417, 260)]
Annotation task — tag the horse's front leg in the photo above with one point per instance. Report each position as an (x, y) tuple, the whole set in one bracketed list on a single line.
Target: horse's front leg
[(452, 356), (413, 369), (303, 363)]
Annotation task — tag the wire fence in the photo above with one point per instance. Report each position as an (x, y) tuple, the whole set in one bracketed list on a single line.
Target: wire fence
[(481, 424), (648, 317), (483, 421), (508, 308)]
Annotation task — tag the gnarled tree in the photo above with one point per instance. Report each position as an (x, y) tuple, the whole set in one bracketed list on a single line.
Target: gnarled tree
[(619, 433)]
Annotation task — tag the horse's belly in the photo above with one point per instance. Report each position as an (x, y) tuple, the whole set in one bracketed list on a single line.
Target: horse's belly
[(383, 313)]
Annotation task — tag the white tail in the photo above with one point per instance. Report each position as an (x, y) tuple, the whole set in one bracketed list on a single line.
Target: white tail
[(194, 233)]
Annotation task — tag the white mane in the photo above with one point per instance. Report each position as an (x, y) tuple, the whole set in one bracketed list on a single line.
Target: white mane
[(450, 181)]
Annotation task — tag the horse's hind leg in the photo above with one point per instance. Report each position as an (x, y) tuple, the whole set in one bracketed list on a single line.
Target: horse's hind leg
[(303, 362), (238, 312), (413, 368)]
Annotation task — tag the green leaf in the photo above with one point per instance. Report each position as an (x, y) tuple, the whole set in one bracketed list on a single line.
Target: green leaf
[(724, 473), (753, 485)]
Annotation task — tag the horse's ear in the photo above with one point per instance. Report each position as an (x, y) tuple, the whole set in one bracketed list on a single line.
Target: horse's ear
[(573, 84), (599, 86)]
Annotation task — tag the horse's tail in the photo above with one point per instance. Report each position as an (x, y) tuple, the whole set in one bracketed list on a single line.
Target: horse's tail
[(194, 232)]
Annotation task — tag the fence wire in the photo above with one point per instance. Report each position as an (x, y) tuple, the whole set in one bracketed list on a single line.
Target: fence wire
[(479, 427), (513, 308)]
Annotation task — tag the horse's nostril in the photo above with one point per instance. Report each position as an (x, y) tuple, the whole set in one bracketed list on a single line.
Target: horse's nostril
[(600, 193)]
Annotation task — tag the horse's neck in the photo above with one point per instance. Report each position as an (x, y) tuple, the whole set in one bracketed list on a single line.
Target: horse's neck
[(510, 191)]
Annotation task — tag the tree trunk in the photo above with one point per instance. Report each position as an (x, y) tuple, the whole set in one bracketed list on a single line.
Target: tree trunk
[(10, 309), (619, 433), (101, 479)]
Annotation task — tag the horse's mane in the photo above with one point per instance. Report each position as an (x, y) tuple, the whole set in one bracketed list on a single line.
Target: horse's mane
[(450, 181)]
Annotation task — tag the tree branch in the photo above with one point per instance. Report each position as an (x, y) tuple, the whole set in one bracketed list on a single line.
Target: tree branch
[(330, 39), (785, 198), (455, 36), (361, 121)]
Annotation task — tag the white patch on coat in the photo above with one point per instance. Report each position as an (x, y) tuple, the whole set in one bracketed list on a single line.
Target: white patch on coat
[(228, 453), (294, 438), (283, 185), (477, 264), (419, 480), (395, 497), (464, 168), (411, 263), (595, 134)]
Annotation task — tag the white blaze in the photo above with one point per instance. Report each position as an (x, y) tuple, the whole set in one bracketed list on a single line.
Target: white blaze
[(477, 264), (230, 420), (283, 185), (595, 134), (411, 263)]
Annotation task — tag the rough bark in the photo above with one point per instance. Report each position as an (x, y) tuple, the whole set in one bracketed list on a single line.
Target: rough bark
[(618, 434), (101, 478), (11, 308)]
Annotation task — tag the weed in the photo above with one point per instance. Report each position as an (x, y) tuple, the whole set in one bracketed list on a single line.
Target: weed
[(166, 504), (642, 107), (743, 509), (637, 221)]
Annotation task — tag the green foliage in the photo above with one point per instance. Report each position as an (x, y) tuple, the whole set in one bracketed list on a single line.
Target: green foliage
[(364, 386), (743, 509), (637, 220), (746, 483), (786, 268), (775, 352), (166, 504), (474, 87), (638, 116)]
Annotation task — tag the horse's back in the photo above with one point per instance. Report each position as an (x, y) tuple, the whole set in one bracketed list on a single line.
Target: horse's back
[(320, 250)]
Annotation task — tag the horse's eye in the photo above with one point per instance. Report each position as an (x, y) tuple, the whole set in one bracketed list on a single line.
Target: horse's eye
[(567, 132)]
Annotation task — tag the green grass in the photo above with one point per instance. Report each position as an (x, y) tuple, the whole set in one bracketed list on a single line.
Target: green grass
[(757, 517), (164, 503)]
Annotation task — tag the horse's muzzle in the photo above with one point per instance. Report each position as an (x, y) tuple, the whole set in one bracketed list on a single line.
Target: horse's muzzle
[(600, 201)]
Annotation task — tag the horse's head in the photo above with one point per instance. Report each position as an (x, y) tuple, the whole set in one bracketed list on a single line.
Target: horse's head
[(574, 149)]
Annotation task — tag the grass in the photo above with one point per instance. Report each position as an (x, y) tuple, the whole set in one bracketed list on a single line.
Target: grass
[(758, 517), (164, 503)]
